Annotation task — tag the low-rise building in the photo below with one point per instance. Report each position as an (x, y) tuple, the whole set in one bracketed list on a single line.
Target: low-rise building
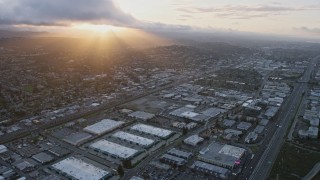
[(193, 140), (223, 155), (3, 148), (251, 137), (77, 138), (216, 171), (173, 160), (113, 149), (244, 126), (259, 129), (312, 133), (104, 126), (228, 122), (75, 168), (138, 140), (142, 115), (42, 157), (151, 130), (180, 154)]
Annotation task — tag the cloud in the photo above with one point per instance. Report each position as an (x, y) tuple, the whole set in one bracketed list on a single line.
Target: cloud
[(314, 31), (165, 27), (247, 12), (34, 13), (62, 12)]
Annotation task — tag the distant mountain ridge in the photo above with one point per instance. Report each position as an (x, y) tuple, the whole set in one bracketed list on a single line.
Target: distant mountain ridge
[(11, 33)]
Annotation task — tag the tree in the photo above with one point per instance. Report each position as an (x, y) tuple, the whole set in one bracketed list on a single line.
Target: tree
[(184, 130), (120, 170)]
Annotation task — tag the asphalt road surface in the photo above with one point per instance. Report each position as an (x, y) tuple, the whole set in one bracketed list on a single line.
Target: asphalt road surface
[(261, 165)]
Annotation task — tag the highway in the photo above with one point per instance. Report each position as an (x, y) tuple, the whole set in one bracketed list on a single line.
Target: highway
[(261, 164)]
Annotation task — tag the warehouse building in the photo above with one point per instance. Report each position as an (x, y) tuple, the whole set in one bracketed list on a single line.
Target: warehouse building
[(193, 140), (104, 126), (181, 110), (74, 168), (188, 112), (141, 115), (251, 137), (42, 157), (3, 148), (151, 130), (59, 151), (77, 138), (167, 158), (244, 125), (263, 122), (213, 112), (216, 171), (113, 149), (259, 129), (228, 122), (232, 132), (223, 155), (179, 153), (138, 140)]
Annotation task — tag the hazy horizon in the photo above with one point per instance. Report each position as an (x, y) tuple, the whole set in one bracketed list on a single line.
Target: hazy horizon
[(287, 19)]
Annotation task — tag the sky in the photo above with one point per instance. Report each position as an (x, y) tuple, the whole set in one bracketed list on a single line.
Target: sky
[(286, 17)]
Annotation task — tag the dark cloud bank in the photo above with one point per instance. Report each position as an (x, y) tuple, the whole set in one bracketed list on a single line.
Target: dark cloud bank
[(62, 12)]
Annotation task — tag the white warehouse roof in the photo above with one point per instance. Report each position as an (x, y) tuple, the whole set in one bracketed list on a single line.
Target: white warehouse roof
[(151, 130), (114, 149), (78, 169), (105, 125), (193, 140), (133, 138), (142, 115), (232, 151)]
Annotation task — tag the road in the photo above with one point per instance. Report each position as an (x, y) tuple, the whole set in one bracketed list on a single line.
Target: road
[(264, 80), (314, 171), (136, 169), (267, 154), (23, 133), (296, 118), (26, 132)]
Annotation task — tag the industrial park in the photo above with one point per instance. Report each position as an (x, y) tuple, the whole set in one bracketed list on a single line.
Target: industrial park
[(159, 90), (216, 125)]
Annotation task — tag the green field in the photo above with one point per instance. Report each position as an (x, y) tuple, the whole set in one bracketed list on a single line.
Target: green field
[(293, 163)]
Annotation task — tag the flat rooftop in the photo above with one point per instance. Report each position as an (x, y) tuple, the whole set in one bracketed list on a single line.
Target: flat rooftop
[(133, 138), (244, 125), (78, 169), (151, 130), (213, 112), (174, 158), (193, 140), (114, 149), (180, 111), (222, 153), (42, 157), (105, 125), (77, 138), (210, 167), (142, 115), (179, 153)]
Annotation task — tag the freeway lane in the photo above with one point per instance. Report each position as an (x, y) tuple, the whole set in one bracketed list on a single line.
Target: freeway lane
[(271, 149)]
